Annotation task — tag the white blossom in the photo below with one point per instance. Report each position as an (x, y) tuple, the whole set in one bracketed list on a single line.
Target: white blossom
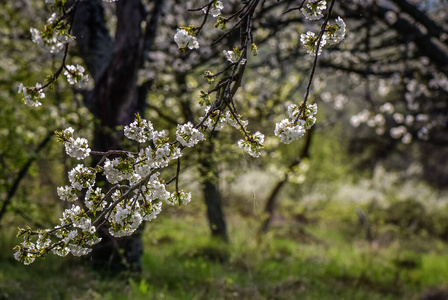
[(183, 40), (54, 43), (387, 108), (230, 56), (31, 95), (112, 171), (52, 18), (68, 131), (155, 189), (179, 198), (288, 132), (67, 193), (252, 144), (293, 128), (125, 219), (75, 75), (335, 33), (149, 211), (215, 120), (81, 177), (78, 250), (187, 135), (313, 9), (139, 130), (94, 199), (77, 148), (398, 132), (215, 9), (309, 41), (36, 37)]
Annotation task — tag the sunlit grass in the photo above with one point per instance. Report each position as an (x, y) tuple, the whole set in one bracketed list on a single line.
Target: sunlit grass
[(322, 260)]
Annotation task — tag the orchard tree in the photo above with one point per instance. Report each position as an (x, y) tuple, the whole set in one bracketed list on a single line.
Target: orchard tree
[(139, 180), (398, 64), (392, 69)]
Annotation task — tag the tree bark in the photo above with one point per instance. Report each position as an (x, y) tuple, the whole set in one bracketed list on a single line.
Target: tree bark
[(209, 174), (116, 97), (212, 195)]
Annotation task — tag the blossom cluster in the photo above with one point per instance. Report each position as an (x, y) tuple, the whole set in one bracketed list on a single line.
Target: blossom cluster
[(75, 235), (185, 38), (53, 38), (313, 9), (75, 75), (216, 120), (188, 136), (215, 9), (301, 118), (140, 130), (77, 148), (398, 123), (252, 144), (136, 194), (333, 33), (31, 95)]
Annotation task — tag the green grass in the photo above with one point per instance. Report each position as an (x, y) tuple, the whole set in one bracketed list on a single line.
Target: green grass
[(181, 262)]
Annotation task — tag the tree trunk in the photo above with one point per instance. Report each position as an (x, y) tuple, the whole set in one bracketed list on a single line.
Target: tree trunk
[(116, 97), (207, 169), (212, 195)]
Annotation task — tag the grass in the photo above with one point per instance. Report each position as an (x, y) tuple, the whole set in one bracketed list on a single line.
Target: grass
[(181, 262)]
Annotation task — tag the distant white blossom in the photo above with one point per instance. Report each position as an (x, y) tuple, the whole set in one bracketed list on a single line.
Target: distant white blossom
[(398, 118), (423, 134), (398, 132), (387, 108)]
